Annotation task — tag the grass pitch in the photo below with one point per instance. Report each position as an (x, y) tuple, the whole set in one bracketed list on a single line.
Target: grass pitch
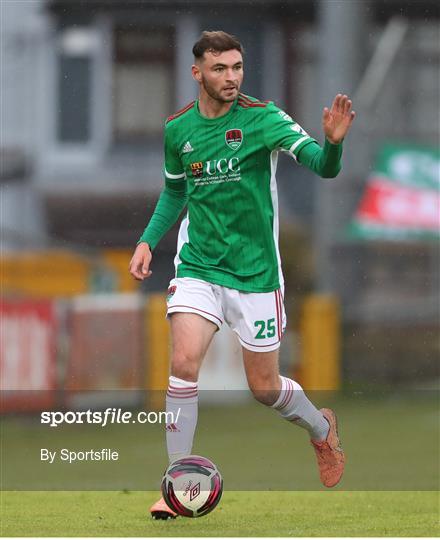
[(361, 513), (392, 444)]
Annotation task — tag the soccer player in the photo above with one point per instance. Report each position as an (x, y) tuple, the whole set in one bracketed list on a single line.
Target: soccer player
[(221, 154)]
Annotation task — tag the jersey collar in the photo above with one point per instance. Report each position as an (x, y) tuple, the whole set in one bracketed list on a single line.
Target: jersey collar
[(217, 118)]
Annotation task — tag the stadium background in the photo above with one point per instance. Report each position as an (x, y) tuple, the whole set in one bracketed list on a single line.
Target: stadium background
[(86, 87)]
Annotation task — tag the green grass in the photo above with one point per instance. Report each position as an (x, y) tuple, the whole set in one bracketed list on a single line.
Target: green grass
[(391, 442), (362, 513)]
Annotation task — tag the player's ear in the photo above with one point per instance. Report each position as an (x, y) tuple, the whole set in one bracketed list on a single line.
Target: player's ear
[(196, 73)]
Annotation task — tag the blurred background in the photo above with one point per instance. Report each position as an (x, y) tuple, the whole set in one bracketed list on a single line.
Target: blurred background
[(86, 87)]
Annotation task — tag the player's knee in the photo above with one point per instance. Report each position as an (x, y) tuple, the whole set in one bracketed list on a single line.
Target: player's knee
[(265, 396), (183, 367)]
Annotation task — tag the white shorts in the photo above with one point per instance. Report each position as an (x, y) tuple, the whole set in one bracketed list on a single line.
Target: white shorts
[(258, 319)]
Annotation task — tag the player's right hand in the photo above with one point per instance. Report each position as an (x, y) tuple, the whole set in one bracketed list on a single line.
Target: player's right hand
[(140, 262)]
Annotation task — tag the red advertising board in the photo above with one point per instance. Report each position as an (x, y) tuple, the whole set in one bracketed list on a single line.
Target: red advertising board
[(27, 355), (389, 203), (106, 343), (402, 196)]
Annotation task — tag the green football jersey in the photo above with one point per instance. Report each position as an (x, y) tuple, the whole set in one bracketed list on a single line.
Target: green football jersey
[(230, 233)]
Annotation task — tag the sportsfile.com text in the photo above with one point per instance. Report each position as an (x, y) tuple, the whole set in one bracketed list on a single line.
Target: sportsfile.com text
[(111, 415)]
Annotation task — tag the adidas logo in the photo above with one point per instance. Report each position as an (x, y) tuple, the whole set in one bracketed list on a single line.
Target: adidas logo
[(187, 147)]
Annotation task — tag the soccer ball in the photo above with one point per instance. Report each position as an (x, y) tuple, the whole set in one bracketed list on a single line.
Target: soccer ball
[(192, 486)]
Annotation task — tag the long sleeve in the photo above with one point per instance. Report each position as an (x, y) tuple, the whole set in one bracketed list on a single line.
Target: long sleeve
[(171, 202), (282, 132), (326, 162)]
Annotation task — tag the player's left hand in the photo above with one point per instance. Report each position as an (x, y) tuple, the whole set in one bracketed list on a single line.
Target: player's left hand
[(337, 121)]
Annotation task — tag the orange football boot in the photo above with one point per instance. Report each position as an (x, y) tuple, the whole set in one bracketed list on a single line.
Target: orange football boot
[(160, 510), (330, 456)]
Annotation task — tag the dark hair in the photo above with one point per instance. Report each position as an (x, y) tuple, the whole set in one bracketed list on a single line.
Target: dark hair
[(216, 41)]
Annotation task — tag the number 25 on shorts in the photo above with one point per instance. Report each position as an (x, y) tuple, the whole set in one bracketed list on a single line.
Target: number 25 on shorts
[(265, 329)]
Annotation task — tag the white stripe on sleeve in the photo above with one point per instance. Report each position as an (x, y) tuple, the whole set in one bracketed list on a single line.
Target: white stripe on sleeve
[(174, 176), (296, 144)]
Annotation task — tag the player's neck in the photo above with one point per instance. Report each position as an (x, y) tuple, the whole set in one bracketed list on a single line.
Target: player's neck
[(212, 108)]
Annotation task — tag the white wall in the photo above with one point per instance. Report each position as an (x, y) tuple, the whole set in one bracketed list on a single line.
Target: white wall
[(22, 35), (23, 28)]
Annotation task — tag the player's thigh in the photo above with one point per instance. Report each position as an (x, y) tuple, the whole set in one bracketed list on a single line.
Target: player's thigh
[(191, 335), (195, 314)]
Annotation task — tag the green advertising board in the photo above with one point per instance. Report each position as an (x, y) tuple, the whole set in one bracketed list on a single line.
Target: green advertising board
[(401, 200)]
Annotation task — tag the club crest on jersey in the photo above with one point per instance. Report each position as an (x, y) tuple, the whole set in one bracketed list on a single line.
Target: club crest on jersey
[(234, 138), (197, 169)]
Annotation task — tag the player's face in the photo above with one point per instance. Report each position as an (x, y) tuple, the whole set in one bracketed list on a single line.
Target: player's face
[(221, 74)]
